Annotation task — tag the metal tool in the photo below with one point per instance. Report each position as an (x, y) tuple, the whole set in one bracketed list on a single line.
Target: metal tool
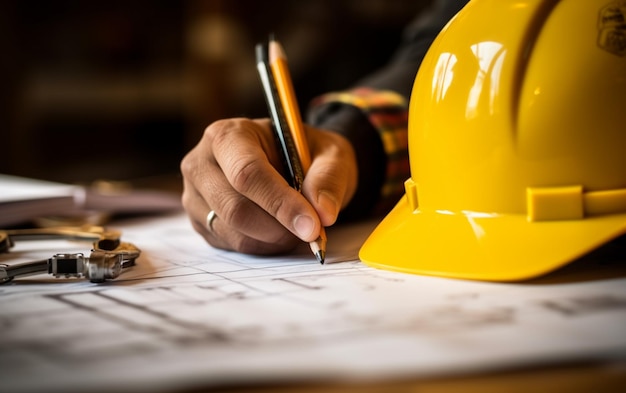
[(108, 256)]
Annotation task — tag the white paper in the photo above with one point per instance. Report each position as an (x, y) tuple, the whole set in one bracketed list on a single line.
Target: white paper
[(23, 200), (14, 188), (191, 316)]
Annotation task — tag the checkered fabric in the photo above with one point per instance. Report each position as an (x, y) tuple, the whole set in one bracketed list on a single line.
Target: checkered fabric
[(388, 113)]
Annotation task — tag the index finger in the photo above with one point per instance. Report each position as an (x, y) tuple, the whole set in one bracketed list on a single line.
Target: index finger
[(246, 153)]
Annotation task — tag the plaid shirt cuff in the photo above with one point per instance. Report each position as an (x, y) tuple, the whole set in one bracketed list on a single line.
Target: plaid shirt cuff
[(387, 111)]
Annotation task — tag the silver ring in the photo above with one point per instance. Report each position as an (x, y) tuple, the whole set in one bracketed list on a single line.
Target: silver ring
[(209, 220)]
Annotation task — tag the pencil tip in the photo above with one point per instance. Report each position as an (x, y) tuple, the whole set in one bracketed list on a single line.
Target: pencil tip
[(320, 256)]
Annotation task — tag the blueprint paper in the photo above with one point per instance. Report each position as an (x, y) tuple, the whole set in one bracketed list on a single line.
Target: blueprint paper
[(189, 316)]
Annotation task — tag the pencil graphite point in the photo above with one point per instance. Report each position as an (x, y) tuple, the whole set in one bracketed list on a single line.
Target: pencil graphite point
[(319, 247), (320, 256)]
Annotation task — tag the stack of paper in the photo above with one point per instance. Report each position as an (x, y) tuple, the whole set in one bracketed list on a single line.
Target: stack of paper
[(22, 200)]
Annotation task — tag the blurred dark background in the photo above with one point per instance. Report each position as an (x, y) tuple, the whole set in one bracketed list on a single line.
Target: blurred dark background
[(120, 90)]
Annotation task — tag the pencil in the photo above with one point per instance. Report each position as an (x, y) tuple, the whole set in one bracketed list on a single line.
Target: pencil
[(286, 93), (282, 134)]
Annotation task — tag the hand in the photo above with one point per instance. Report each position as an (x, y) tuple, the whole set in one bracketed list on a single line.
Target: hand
[(235, 171)]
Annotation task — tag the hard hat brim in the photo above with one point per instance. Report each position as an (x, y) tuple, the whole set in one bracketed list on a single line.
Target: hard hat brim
[(482, 246)]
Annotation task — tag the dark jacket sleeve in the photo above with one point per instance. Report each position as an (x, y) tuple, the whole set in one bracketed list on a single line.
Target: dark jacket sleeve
[(398, 75)]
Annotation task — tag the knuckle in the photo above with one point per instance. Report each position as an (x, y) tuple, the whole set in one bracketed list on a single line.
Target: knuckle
[(276, 205), (217, 131), (188, 165), (222, 132), (243, 171), (186, 199), (233, 212)]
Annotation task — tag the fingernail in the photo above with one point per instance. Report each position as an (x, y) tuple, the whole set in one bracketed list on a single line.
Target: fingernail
[(328, 203), (304, 226)]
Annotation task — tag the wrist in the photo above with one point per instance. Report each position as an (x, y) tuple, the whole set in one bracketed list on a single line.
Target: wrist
[(376, 123), (351, 123)]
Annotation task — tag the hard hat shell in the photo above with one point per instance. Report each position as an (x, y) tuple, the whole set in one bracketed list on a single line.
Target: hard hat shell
[(517, 143)]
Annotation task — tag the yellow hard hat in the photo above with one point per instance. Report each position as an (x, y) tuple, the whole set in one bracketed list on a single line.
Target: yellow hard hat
[(517, 143)]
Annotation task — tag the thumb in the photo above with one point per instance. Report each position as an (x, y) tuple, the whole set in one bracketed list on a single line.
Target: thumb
[(331, 181)]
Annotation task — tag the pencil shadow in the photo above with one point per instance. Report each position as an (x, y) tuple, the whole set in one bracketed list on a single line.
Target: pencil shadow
[(605, 262)]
